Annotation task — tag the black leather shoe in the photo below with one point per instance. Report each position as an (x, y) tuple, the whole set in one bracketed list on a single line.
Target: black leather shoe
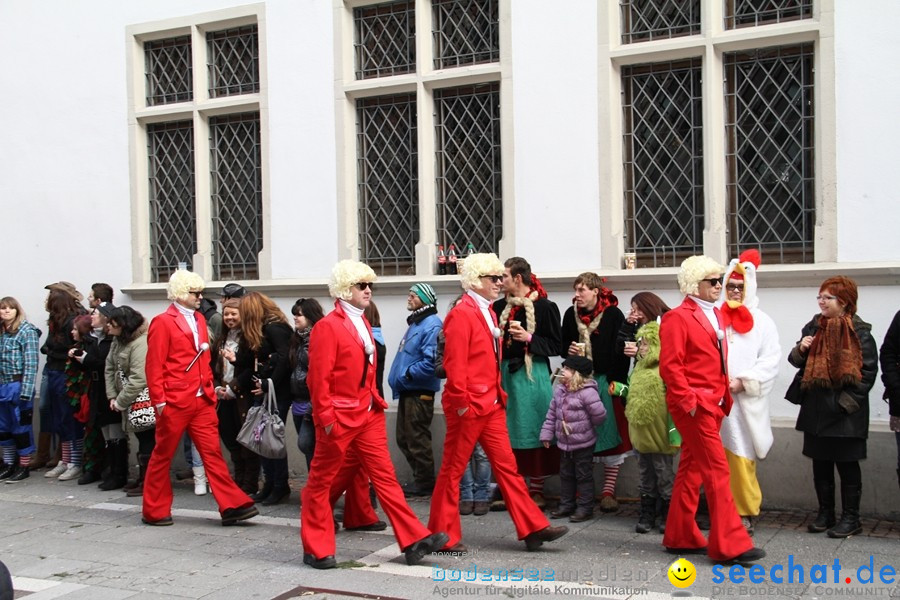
[(233, 515), (535, 540), (427, 545), (89, 477), (686, 550), (376, 526), (326, 562), (276, 497), (159, 522), (745, 557), (416, 491), (561, 513), (581, 517), (6, 471), (18, 475)]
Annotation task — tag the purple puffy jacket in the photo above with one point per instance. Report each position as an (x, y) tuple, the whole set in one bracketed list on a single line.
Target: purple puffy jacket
[(581, 411)]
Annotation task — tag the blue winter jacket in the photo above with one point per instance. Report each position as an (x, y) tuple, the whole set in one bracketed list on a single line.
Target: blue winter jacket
[(413, 366)]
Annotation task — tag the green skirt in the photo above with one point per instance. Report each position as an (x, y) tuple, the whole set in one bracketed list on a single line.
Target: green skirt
[(607, 433), (528, 403)]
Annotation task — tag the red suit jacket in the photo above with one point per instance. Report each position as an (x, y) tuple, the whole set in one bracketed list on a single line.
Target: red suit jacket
[(690, 363), (170, 349), (473, 377), (341, 380)]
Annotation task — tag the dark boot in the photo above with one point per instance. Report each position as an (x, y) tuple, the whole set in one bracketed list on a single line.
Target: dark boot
[(825, 516), (117, 456), (138, 490), (250, 484), (237, 461), (849, 523), (663, 512), (647, 519), (265, 492), (43, 452), (107, 470)]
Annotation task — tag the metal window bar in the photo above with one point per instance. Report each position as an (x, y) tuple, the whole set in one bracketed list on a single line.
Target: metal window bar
[(465, 32), (233, 61), (388, 183), (769, 128), (468, 167), (173, 217), (663, 161), (644, 20), (385, 39), (236, 194), (167, 71), (750, 13)]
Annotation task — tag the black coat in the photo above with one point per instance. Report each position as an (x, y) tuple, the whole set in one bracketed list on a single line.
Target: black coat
[(545, 340), (820, 411), (273, 360), (890, 366), (607, 359), (94, 366)]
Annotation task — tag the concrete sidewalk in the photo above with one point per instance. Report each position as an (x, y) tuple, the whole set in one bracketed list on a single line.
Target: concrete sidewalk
[(61, 540)]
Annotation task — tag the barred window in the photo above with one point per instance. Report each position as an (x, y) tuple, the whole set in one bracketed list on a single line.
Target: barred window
[(748, 13), (663, 162), (468, 167), (465, 32), (644, 20), (388, 183), (167, 71), (385, 39), (173, 217), (233, 61), (236, 193), (769, 127)]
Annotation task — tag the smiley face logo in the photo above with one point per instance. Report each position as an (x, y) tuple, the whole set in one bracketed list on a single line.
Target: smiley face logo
[(682, 573)]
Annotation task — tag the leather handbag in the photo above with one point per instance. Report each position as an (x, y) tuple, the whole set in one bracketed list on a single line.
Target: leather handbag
[(263, 430)]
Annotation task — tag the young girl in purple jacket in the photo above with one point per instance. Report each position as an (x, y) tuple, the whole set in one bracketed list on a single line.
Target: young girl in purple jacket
[(575, 411)]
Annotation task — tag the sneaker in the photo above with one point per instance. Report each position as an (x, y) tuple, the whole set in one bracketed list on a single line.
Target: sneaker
[(56, 471), (73, 472), (19, 474), (6, 471)]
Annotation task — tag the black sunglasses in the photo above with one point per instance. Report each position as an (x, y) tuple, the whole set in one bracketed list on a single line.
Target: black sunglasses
[(713, 281), (734, 287), (494, 278), (365, 284)]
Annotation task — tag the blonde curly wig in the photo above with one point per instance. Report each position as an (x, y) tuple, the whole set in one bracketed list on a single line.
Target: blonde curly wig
[(345, 274), (476, 266), (183, 281), (693, 270)]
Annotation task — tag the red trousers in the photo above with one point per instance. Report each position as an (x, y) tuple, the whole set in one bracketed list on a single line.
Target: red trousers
[(202, 424), (490, 430), (358, 509), (703, 461), (364, 446)]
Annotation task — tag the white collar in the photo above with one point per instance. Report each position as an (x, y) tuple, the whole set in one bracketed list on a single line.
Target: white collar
[(483, 303)]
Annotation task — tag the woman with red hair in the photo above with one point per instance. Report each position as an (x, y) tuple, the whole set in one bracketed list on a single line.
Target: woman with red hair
[(837, 361)]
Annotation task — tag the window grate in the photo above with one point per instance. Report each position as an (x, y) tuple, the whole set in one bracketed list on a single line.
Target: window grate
[(388, 183), (173, 219), (233, 61), (663, 165), (236, 194), (769, 133), (385, 39), (168, 72), (749, 13), (465, 32), (644, 20), (468, 168)]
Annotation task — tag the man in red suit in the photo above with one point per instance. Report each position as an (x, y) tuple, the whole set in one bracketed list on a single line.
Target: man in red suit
[(348, 413), (693, 365), (181, 388), (475, 408)]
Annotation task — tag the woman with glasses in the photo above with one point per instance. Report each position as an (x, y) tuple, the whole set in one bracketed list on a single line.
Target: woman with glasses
[(837, 362), (264, 355)]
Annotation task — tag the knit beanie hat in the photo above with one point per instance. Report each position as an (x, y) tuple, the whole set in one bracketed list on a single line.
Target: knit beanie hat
[(425, 293), (579, 363)]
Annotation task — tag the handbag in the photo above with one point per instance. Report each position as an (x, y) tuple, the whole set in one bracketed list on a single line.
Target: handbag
[(141, 415), (263, 430)]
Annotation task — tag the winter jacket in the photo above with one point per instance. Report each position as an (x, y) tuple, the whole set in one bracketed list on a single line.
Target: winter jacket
[(820, 411), (413, 366), (19, 358), (580, 411), (890, 366), (299, 390), (130, 360)]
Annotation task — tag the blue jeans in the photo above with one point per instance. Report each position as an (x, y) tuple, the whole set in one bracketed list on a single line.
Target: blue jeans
[(191, 455), (475, 484), (306, 437)]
